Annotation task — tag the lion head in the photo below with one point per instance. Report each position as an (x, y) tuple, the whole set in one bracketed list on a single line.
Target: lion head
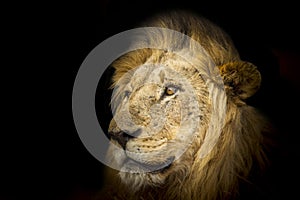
[(181, 127)]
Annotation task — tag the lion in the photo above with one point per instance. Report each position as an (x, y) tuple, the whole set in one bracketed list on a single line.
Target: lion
[(180, 128)]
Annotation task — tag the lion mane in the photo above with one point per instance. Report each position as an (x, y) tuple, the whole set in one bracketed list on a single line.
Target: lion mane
[(240, 146)]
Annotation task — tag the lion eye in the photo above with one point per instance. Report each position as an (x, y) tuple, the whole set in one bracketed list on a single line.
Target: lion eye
[(170, 91)]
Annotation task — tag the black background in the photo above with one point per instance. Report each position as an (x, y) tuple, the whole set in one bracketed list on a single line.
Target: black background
[(42, 156)]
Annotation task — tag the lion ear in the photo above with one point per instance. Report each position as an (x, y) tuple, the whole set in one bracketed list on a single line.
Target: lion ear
[(241, 79)]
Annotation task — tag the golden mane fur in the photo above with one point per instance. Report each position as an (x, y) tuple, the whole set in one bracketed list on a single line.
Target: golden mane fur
[(240, 145)]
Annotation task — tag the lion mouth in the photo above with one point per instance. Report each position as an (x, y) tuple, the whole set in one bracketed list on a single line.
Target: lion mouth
[(135, 166)]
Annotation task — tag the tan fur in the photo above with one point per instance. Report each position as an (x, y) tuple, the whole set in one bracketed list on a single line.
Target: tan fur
[(217, 175)]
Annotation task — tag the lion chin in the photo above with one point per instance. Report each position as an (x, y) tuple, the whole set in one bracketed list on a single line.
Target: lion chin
[(181, 127)]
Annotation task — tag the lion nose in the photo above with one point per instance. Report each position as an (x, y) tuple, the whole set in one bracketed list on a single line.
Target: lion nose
[(122, 138)]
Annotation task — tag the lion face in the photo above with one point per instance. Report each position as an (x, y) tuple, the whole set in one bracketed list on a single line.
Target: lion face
[(181, 125), (160, 113)]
